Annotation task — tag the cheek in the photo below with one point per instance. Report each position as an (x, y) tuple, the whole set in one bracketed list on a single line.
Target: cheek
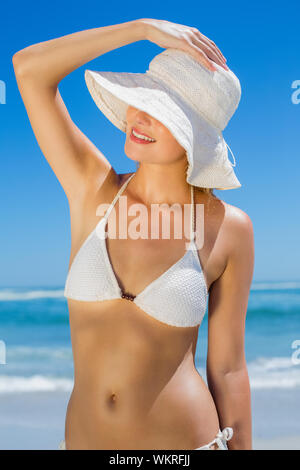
[(170, 149), (171, 143), (130, 112), (167, 139)]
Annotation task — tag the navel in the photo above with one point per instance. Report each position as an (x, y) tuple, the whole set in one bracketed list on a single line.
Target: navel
[(112, 399)]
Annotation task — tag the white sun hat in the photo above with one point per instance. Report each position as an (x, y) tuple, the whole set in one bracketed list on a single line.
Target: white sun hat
[(194, 103)]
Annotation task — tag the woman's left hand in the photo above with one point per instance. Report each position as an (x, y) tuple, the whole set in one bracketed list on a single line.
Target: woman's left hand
[(172, 35)]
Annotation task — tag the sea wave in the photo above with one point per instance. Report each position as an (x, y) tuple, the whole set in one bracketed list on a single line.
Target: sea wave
[(264, 373), (271, 373), (14, 294), (283, 285), (7, 295), (28, 353), (274, 372), (35, 383)]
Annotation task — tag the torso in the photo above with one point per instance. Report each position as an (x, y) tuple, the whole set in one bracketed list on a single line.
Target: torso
[(135, 381)]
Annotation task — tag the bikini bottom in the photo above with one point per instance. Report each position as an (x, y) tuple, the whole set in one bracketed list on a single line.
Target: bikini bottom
[(219, 440)]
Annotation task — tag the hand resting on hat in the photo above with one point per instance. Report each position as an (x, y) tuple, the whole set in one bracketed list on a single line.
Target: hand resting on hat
[(189, 39)]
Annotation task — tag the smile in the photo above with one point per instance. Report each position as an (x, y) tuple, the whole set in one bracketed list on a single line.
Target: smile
[(140, 138)]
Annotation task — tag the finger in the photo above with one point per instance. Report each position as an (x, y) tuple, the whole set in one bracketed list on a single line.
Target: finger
[(201, 57), (211, 54), (213, 49), (210, 43)]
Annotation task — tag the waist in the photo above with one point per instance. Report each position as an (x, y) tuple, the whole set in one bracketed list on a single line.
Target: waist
[(116, 383), (179, 409)]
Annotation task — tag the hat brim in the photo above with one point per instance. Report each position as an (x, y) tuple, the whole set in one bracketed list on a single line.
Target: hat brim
[(208, 162)]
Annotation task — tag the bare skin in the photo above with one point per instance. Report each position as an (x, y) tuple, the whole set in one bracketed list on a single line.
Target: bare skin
[(135, 381)]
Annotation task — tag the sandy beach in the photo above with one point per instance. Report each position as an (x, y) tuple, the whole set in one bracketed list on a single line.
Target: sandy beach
[(32, 420), (280, 443)]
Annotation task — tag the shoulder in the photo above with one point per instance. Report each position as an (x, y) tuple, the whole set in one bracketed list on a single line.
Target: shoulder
[(234, 254), (228, 228), (237, 222), (230, 218), (227, 234), (237, 229)]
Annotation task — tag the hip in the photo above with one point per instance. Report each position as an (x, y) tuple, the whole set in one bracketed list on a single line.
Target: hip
[(218, 443), (180, 412)]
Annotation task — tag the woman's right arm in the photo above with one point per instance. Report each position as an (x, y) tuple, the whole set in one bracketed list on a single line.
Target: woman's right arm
[(75, 160)]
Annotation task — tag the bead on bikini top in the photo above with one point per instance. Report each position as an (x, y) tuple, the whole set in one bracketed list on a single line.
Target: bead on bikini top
[(178, 297)]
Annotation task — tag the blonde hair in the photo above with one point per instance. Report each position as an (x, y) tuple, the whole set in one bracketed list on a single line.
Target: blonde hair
[(208, 191)]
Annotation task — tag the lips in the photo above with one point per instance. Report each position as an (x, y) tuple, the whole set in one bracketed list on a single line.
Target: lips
[(142, 133), (140, 141)]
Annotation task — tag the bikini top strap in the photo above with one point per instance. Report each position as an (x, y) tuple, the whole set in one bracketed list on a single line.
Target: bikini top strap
[(192, 218), (117, 196)]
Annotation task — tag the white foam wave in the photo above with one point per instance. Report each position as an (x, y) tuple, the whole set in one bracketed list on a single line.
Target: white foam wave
[(25, 353), (274, 372), (14, 295), (275, 285), (264, 373), (11, 294), (35, 383), (271, 373)]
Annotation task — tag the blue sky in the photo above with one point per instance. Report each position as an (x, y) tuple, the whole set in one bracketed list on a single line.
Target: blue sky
[(261, 42)]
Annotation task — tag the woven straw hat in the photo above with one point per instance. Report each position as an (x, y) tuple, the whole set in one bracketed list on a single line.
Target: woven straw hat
[(194, 103)]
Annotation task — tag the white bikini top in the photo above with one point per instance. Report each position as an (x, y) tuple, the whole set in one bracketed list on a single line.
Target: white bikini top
[(178, 297)]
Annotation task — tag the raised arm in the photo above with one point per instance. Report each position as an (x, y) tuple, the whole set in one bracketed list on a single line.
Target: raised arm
[(39, 68), (227, 373)]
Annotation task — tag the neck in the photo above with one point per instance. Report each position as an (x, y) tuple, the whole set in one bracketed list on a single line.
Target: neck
[(158, 184)]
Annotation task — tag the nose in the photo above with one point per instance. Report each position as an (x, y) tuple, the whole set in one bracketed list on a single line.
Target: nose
[(139, 118), (142, 117)]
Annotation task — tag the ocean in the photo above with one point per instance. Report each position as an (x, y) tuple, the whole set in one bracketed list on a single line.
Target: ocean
[(36, 359)]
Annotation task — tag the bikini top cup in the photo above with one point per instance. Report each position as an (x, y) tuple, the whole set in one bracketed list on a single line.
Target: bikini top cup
[(178, 297)]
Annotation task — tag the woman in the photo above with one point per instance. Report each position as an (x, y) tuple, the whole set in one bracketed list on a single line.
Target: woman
[(135, 305)]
